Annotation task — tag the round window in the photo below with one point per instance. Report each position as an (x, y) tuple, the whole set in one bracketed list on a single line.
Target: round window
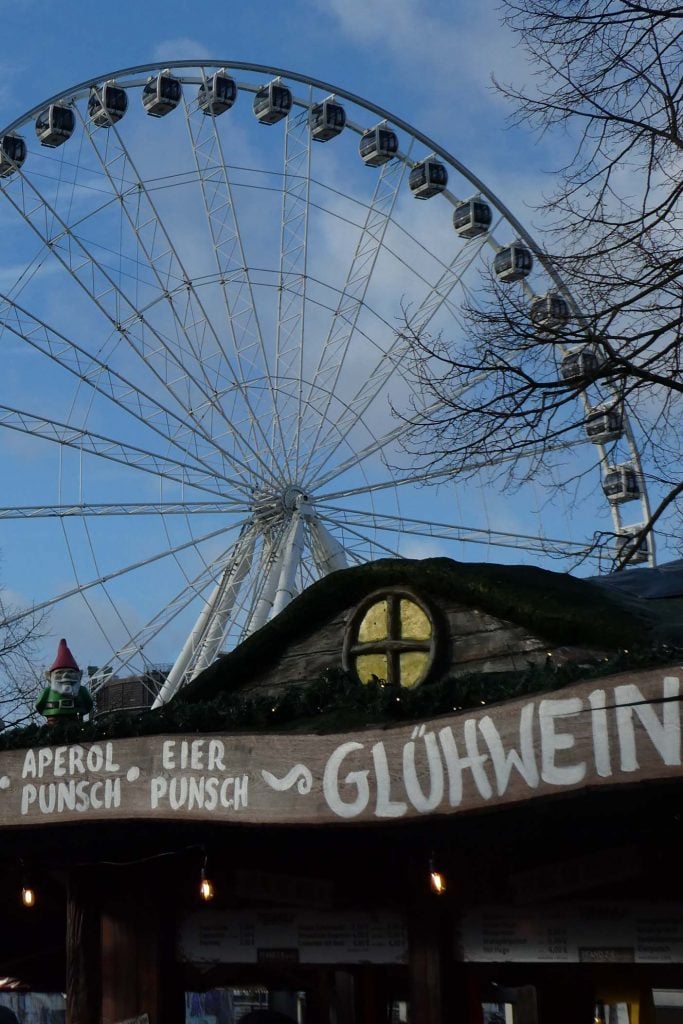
[(391, 639)]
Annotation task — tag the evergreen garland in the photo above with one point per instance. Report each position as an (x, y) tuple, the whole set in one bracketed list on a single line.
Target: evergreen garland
[(332, 703)]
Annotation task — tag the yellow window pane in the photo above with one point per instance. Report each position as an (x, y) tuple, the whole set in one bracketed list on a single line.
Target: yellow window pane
[(374, 623), (412, 666), (369, 665), (414, 623)]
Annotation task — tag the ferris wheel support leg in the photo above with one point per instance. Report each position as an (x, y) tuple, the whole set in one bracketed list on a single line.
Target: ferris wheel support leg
[(328, 553), (267, 597), (215, 630), (237, 566), (294, 549)]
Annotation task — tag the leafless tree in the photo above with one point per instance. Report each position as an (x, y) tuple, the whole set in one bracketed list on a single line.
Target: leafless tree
[(20, 681), (607, 76)]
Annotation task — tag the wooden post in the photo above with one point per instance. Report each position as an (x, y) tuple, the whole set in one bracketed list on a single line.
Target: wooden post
[(138, 935), (426, 956), (83, 956)]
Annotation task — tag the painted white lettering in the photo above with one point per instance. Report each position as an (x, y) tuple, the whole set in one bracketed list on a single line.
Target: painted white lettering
[(456, 765), (66, 796), (552, 742), (504, 761), (196, 792), (241, 792), (665, 735), (95, 798), (211, 794), (60, 758), (44, 760), (197, 756), (82, 795), (357, 779), (168, 755), (601, 751), (177, 792), (215, 756), (94, 758), (226, 786), (29, 795), (385, 806), (421, 801), (110, 764), (47, 798), (158, 790), (29, 769), (112, 793), (76, 755)]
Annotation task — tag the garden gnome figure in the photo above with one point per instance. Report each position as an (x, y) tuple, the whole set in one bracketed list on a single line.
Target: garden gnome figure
[(64, 699)]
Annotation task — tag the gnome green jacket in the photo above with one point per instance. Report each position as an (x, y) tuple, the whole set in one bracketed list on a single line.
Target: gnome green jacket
[(53, 704)]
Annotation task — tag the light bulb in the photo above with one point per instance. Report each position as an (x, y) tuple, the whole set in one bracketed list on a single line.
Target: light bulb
[(28, 896), (437, 880), (206, 892)]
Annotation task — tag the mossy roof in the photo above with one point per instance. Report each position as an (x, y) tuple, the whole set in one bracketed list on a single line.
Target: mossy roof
[(555, 606)]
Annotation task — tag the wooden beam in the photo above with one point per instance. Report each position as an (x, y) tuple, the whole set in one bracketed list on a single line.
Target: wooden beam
[(83, 949)]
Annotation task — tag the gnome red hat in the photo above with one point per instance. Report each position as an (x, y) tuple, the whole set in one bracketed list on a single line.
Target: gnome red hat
[(64, 659)]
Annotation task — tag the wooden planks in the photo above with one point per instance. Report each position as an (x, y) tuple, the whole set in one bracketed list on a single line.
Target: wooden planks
[(613, 731)]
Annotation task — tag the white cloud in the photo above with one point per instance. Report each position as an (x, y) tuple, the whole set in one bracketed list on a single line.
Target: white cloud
[(181, 48)]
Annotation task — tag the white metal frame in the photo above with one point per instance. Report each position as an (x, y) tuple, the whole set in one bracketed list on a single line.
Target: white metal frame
[(267, 449)]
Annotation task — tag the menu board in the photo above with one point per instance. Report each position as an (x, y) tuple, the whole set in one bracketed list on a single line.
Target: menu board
[(311, 937), (580, 933)]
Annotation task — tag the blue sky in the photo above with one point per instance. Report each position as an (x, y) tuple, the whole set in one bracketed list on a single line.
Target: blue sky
[(428, 63)]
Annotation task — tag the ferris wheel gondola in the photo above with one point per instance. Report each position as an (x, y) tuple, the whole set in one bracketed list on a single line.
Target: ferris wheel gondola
[(55, 125), (217, 94)]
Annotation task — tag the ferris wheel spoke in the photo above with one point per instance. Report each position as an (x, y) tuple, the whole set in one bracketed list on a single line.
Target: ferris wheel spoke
[(168, 508), (125, 656), (87, 442), (117, 573), (390, 362), (236, 286), (359, 530), (448, 531), (334, 351), (100, 377), (409, 479), (292, 285), (154, 350), (193, 326), (377, 445)]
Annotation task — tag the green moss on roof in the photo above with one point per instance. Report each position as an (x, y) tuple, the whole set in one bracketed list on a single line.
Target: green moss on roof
[(642, 634), (555, 606)]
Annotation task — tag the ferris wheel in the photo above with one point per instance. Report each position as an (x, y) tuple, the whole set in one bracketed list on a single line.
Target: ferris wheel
[(205, 386)]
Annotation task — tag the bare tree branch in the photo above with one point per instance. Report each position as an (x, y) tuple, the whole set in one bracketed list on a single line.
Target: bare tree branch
[(609, 73)]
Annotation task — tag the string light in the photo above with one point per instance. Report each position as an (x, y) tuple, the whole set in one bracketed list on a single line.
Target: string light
[(28, 896), (206, 890), (28, 893), (437, 880)]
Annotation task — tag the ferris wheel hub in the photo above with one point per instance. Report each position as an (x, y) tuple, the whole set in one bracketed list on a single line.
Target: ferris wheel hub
[(269, 505)]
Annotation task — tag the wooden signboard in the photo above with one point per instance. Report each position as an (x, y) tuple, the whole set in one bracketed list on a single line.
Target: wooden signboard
[(615, 731)]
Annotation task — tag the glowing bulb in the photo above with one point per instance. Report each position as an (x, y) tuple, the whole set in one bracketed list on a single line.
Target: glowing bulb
[(28, 896), (206, 891), (437, 880)]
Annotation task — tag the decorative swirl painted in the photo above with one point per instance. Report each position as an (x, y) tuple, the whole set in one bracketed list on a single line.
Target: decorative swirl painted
[(299, 775)]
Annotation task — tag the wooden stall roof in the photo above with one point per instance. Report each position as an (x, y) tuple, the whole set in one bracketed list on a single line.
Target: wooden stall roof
[(535, 602), (554, 605)]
